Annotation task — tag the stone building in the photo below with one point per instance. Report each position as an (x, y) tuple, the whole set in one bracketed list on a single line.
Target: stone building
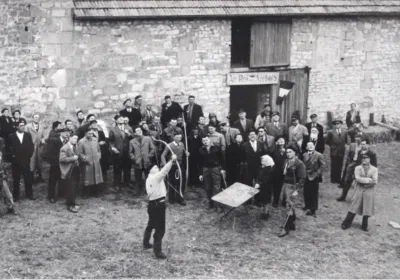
[(57, 55)]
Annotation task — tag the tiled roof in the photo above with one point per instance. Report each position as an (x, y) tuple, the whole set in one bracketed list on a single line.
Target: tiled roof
[(228, 8)]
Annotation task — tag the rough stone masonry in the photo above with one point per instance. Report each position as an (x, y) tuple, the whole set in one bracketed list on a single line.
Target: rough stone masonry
[(51, 64)]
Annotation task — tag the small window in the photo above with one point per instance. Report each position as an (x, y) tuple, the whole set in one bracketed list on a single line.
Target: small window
[(270, 43)]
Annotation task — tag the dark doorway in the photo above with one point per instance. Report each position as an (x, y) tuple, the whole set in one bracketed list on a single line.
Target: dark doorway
[(249, 98)]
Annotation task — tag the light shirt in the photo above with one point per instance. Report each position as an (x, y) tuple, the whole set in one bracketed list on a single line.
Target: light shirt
[(20, 136), (276, 124), (129, 110), (155, 186), (243, 123), (254, 145), (338, 131), (35, 126)]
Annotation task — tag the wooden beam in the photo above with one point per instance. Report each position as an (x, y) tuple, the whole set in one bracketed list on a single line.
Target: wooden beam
[(388, 126)]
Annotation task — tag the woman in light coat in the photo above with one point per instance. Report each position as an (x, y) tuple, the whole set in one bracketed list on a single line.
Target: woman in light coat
[(366, 176)]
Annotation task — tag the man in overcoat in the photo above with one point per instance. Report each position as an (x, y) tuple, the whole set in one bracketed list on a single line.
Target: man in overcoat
[(192, 113), (21, 148), (253, 151), (366, 176), (336, 139), (276, 127), (244, 125), (35, 129), (141, 152)]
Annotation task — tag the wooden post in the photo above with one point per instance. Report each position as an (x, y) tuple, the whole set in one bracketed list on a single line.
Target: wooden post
[(371, 119), (329, 119)]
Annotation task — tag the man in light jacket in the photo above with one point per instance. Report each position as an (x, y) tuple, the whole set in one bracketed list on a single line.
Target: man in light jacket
[(70, 171)]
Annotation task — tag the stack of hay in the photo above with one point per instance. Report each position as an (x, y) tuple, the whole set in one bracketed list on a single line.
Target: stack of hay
[(378, 134)]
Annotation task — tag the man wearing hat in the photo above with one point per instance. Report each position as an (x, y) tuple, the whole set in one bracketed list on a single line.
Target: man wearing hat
[(263, 118), (35, 129), (276, 128), (366, 176), (356, 150), (229, 133), (336, 139), (170, 110), (133, 114), (244, 125), (297, 131), (55, 145)]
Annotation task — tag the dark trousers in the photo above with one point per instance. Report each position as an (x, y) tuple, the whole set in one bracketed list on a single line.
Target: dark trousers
[(139, 176), (194, 170), (277, 186), (311, 189), (336, 168), (212, 181), (235, 174), (173, 193), (121, 164), (71, 185), (251, 175), (156, 211), (54, 178), (24, 170)]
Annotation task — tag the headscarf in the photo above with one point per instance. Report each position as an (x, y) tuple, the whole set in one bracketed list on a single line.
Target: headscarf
[(269, 161)]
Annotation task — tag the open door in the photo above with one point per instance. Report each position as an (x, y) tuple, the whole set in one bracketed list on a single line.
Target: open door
[(297, 99)]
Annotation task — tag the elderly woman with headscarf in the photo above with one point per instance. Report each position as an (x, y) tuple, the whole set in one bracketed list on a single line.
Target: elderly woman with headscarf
[(316, 139), (264, 184)]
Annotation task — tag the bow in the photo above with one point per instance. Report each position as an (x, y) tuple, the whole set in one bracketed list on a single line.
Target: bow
[(177, 163)]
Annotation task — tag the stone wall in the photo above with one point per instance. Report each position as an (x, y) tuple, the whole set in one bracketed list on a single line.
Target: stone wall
[(352, 60), (53, 65)]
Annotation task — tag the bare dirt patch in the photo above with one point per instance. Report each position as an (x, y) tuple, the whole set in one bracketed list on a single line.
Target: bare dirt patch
[(104, 239)]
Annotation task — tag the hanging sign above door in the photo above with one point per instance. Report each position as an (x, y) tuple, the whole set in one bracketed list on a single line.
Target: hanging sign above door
[(252, 78)]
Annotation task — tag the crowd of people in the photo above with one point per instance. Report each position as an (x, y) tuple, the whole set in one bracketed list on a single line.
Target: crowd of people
[(180, 146)]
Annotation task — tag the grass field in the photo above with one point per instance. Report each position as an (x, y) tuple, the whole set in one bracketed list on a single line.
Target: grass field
[(104, 239)]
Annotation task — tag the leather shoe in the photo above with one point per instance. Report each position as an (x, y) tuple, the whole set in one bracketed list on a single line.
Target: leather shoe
[(73, 209), (161, 256), (11, 211), (52, 200), (148, 246), (32, 198), (283, 233), (344, 226), (275, 205), (340, 199), (182, 202)]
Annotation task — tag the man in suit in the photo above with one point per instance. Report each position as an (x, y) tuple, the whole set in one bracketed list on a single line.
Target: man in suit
[(55, 145), (119, 138), (244, 125), (352, 116), (297, 132), (195, 143), (39, 139), (276, 128), (314, 163), (149, 114), (141, 152), (253, 152), (279, 157), (336, 139), (21, 148), (267, 140), (70, 171), (134, 114), (156, 132), (229, 133), (192, 113), (170, 110), (6, 128)]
